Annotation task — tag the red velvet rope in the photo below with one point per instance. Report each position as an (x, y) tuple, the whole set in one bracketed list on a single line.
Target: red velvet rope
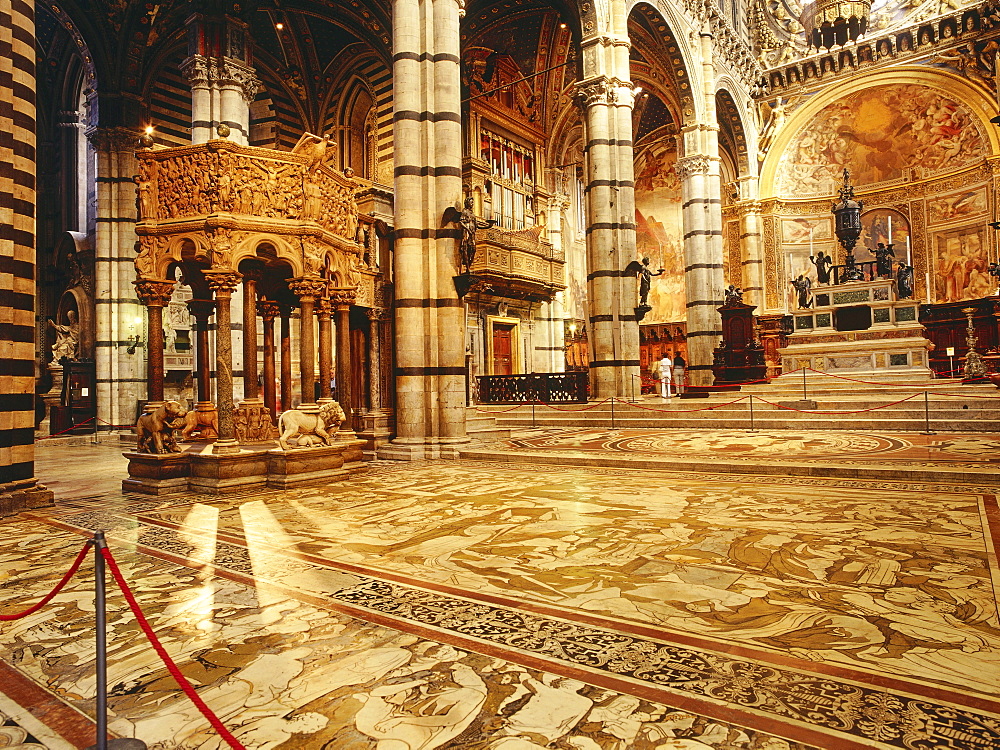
[(859, 411), (902, 385), (46, 437), (162, 652), (48, 597), (684, 411), (586, 408)]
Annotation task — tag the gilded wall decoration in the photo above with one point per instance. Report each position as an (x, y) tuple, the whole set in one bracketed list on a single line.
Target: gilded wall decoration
[(886, 226), (957, 206), (660, 231), (960, 262), (880, 134)]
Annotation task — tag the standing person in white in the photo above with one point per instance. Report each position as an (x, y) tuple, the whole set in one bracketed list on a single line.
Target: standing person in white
[(666, 371)]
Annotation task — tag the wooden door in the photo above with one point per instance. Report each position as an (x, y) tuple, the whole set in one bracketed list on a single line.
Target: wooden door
[(503, 341)]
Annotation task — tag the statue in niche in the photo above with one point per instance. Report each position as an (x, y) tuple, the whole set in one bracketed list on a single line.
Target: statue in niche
[(67, 338), (883, 266), (822, 263), (646, 281), (802, 286), (904, 281)]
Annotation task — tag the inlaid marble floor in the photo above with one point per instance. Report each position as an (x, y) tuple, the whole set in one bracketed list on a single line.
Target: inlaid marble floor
[(905, 449), (506, 607)]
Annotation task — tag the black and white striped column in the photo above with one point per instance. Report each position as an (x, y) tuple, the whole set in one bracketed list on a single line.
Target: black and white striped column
[(610, 199), (18, 488), (701, 196), (427, 138), (121, 320)]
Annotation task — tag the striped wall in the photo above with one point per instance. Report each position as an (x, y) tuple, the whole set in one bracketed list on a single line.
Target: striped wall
[(17, 257), (169, 97), (378, 78)]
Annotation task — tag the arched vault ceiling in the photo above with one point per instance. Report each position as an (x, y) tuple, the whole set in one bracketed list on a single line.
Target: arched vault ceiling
[(657, 62)]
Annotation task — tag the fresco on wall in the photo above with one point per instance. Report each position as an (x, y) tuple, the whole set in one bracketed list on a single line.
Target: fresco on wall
[(878, 134), (659, 232), (960, 265), (804, 230), (956, 206), (883, 225)]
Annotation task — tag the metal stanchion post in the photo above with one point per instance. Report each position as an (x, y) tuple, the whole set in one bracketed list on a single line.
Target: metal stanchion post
[(805, 397), (533, 425), (100, 599), (612, 412), (927, 415), (752, 428)]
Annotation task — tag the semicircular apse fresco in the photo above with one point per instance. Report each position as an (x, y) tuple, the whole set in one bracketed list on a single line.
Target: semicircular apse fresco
[(878, 133)]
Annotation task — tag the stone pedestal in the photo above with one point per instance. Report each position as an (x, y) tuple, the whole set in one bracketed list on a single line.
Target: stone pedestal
[(24, 495), (222, 473), (157, 473), (294, 468), (52, 396), (376, 430)]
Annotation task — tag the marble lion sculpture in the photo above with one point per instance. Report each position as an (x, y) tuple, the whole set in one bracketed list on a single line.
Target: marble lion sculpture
[(155, 429), (205, 423), (299, 424)]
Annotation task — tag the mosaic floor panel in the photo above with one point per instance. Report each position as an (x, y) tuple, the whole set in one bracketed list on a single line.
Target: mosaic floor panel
[(484, 605), (951, 450)]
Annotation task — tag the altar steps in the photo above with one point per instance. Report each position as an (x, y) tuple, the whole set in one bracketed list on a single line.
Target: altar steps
[(949, 406)]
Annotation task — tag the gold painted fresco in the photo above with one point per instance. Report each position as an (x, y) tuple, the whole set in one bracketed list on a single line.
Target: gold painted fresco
[(879, 133), (960, 265), (957, 206), (659, 232)]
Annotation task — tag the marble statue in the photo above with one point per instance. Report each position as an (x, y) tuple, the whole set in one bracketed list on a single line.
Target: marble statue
[(294, 423), (67, 338), (155, 430)]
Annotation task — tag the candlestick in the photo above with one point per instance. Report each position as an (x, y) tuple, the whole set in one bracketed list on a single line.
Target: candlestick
[(909, 258), (890, 229), (927, 282), (811, 242)]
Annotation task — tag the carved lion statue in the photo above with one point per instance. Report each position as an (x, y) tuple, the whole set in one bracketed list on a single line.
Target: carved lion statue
[(205, 423), (155, 429), (294, 423)]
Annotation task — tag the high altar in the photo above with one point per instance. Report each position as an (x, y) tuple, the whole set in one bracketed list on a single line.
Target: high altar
[(858, 327)]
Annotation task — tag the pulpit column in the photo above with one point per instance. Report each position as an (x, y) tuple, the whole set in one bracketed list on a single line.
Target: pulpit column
[(286, 357), (202, 310), (375, 316), (324, 311), (342, 301), (307, 290), (155, 295), (251, 388), (223, 283), (268, 311)]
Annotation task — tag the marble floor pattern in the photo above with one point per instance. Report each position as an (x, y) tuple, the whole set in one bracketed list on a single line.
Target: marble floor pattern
[(486, 605), (904, 449)]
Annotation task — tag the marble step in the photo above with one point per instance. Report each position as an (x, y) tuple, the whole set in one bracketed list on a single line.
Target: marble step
[(766, 466)]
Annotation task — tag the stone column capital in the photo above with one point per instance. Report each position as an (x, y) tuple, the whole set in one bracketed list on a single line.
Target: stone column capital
[(255, 275), (307, 288), (375, 314), (268, 309), (115, 139), (232, 73), (687, 166), (223, 283), (342, 298), (324, 308), (604, 90), (201, 308), (153, 292)]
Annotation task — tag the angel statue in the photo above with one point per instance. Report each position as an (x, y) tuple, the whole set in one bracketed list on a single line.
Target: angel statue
[(470, 225)]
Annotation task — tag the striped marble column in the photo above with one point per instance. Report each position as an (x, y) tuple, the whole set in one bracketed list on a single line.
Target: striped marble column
[(427, 133), (18, 488), (610, 198), (121, 380), (701, 195), (751, 239)]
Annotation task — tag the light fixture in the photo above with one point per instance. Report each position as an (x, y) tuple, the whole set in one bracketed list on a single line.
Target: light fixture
[(562, 26), (279, 26)]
